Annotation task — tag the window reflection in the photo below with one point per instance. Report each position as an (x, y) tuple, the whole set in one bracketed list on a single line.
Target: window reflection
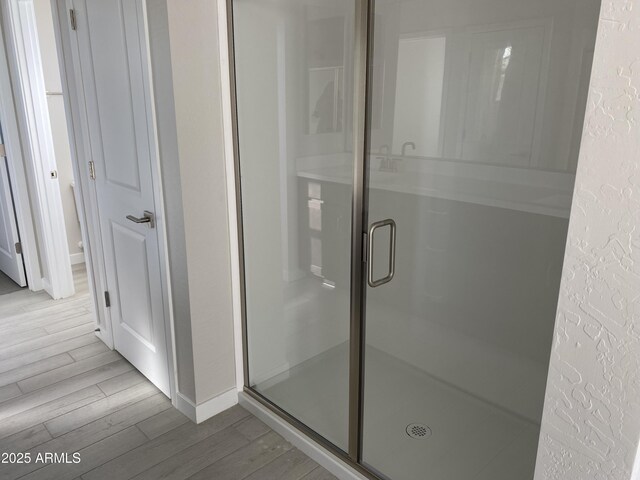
[(419, 94)]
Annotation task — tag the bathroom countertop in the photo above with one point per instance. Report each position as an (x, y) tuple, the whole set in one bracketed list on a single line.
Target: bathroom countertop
[(532, 191)]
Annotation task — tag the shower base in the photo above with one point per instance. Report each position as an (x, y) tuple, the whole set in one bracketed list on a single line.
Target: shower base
[(469, 439)]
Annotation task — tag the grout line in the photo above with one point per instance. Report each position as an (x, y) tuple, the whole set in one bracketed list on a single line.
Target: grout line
[(72, 376), (108, 436), (44, 424), (90, 356), (274, 459), (100, 388), (54, 343), (106, 415), (71, 431), (17, 382), (8, 327), (159, 413), (178, 451), (52, 418), (118, 456), (92, 337), (56, 383), (266, 464), (249, 442)]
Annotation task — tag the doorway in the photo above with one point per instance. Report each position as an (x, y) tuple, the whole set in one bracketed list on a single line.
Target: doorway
[(401, 267), (107, 73), (12, 271), (106, 114)]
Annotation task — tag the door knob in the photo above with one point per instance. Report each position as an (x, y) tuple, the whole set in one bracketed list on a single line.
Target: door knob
[(148, 217)]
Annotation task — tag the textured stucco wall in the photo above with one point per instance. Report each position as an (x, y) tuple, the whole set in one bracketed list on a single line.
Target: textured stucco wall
[(591, 422)]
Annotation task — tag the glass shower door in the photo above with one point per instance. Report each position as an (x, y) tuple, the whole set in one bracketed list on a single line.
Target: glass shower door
[(294, 66), (470, 178)]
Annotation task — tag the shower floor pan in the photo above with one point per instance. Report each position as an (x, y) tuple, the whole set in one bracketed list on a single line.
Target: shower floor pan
[(467, 438)]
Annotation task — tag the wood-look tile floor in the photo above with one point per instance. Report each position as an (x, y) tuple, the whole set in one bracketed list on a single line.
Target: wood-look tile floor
[(63, 391), (7, 285)]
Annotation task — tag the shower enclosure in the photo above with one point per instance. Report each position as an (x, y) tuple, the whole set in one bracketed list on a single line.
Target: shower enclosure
[(405, 172)]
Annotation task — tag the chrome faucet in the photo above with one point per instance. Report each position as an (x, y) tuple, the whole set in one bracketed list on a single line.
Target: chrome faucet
[(407, 144), (390, 164), (385, 161)]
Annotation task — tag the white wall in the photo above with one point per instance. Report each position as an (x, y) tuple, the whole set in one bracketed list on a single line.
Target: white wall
[(186, 69), (49, 56), (591, 422)]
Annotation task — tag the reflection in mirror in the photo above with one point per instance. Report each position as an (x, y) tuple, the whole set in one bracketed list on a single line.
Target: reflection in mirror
[(325, 100), (490, 88), (325, 57), (419, 94)]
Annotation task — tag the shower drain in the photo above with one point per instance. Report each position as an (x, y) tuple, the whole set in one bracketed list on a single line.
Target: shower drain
[(418, 431)]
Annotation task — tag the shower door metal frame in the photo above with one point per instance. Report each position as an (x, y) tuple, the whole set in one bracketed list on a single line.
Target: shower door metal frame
[(363, 47)]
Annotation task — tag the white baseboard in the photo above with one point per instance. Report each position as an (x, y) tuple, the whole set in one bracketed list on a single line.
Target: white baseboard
[(46, 286), (76, 258), (312, 449), (213, 406)]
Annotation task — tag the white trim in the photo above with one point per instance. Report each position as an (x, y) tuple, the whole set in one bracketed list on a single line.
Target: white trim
[(635, 473), (210, 408), (312, 449), (15, 162), (227, 124), (30, 94), (76, 258), (161, 226), (87, 211)]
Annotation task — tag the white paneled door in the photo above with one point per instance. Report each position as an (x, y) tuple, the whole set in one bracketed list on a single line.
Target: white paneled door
[(10, 260), (111, 62)]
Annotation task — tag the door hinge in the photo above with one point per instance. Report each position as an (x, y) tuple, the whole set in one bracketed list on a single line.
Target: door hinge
[(3, 152), (73, 20), (92, 170), (18, 248), (107, 299)]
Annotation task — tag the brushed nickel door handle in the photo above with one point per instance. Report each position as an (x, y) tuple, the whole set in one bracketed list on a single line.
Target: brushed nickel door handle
[(392, 253), (148, 217)]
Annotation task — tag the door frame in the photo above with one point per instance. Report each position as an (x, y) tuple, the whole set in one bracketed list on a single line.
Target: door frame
[(88, 200), (25, 114), (364, 19), (21, 202)]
